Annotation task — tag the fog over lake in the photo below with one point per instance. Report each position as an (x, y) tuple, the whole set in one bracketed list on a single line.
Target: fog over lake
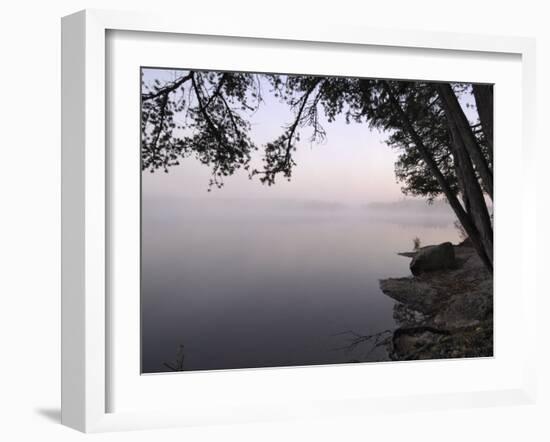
[(255, 282), (252, 275)]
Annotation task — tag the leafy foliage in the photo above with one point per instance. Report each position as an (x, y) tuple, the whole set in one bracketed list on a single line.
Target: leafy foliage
[(199, 114), (204, 114)]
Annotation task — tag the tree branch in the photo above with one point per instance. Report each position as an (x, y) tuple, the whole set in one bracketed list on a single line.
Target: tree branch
[(167, 89), (463, 217), (202, 110)]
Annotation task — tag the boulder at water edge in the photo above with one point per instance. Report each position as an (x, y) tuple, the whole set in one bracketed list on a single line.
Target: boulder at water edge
[(431, 258)]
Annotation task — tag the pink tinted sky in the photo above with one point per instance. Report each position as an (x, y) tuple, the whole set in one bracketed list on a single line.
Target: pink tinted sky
[(353, 166)]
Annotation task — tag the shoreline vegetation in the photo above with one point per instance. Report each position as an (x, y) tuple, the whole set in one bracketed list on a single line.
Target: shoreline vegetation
[(442, 312)]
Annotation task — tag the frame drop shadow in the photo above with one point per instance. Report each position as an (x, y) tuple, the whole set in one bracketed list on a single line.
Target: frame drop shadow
[(51, 414)]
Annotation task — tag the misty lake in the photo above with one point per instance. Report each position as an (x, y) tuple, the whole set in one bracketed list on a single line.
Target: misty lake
[(262, 283)]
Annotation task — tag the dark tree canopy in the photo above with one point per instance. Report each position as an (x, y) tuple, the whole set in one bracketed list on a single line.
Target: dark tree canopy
[(216, 131), (441, 152)]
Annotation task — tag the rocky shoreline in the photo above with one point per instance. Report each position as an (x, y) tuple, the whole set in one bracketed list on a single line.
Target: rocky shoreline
[(442, 313)]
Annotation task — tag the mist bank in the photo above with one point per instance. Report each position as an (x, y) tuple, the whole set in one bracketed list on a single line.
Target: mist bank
[(409, 205), (214, 208), (206, 198)]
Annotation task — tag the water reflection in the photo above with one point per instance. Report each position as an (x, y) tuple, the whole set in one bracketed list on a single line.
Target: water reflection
[(260, 285)]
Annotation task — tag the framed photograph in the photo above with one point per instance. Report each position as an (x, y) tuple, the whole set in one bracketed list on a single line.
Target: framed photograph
[(269, 223)]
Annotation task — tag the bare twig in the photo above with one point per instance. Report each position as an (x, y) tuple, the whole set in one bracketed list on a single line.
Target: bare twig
[(180, 356), (378, 339)]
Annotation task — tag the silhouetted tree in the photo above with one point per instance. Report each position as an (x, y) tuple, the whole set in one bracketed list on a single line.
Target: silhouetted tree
[(216, 132), (441, 151)]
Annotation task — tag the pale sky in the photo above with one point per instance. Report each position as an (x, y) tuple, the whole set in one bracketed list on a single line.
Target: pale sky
[(353, 166)]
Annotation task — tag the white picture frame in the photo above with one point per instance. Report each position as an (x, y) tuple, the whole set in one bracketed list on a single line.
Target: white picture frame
[(86, 315)]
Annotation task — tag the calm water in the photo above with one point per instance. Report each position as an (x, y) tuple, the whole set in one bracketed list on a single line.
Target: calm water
[(270, 283)]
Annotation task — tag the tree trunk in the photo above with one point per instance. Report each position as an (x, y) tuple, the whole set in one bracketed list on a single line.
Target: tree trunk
[(461, 183), (474, 195), (463, 217), (454, 113), (483, 94)]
